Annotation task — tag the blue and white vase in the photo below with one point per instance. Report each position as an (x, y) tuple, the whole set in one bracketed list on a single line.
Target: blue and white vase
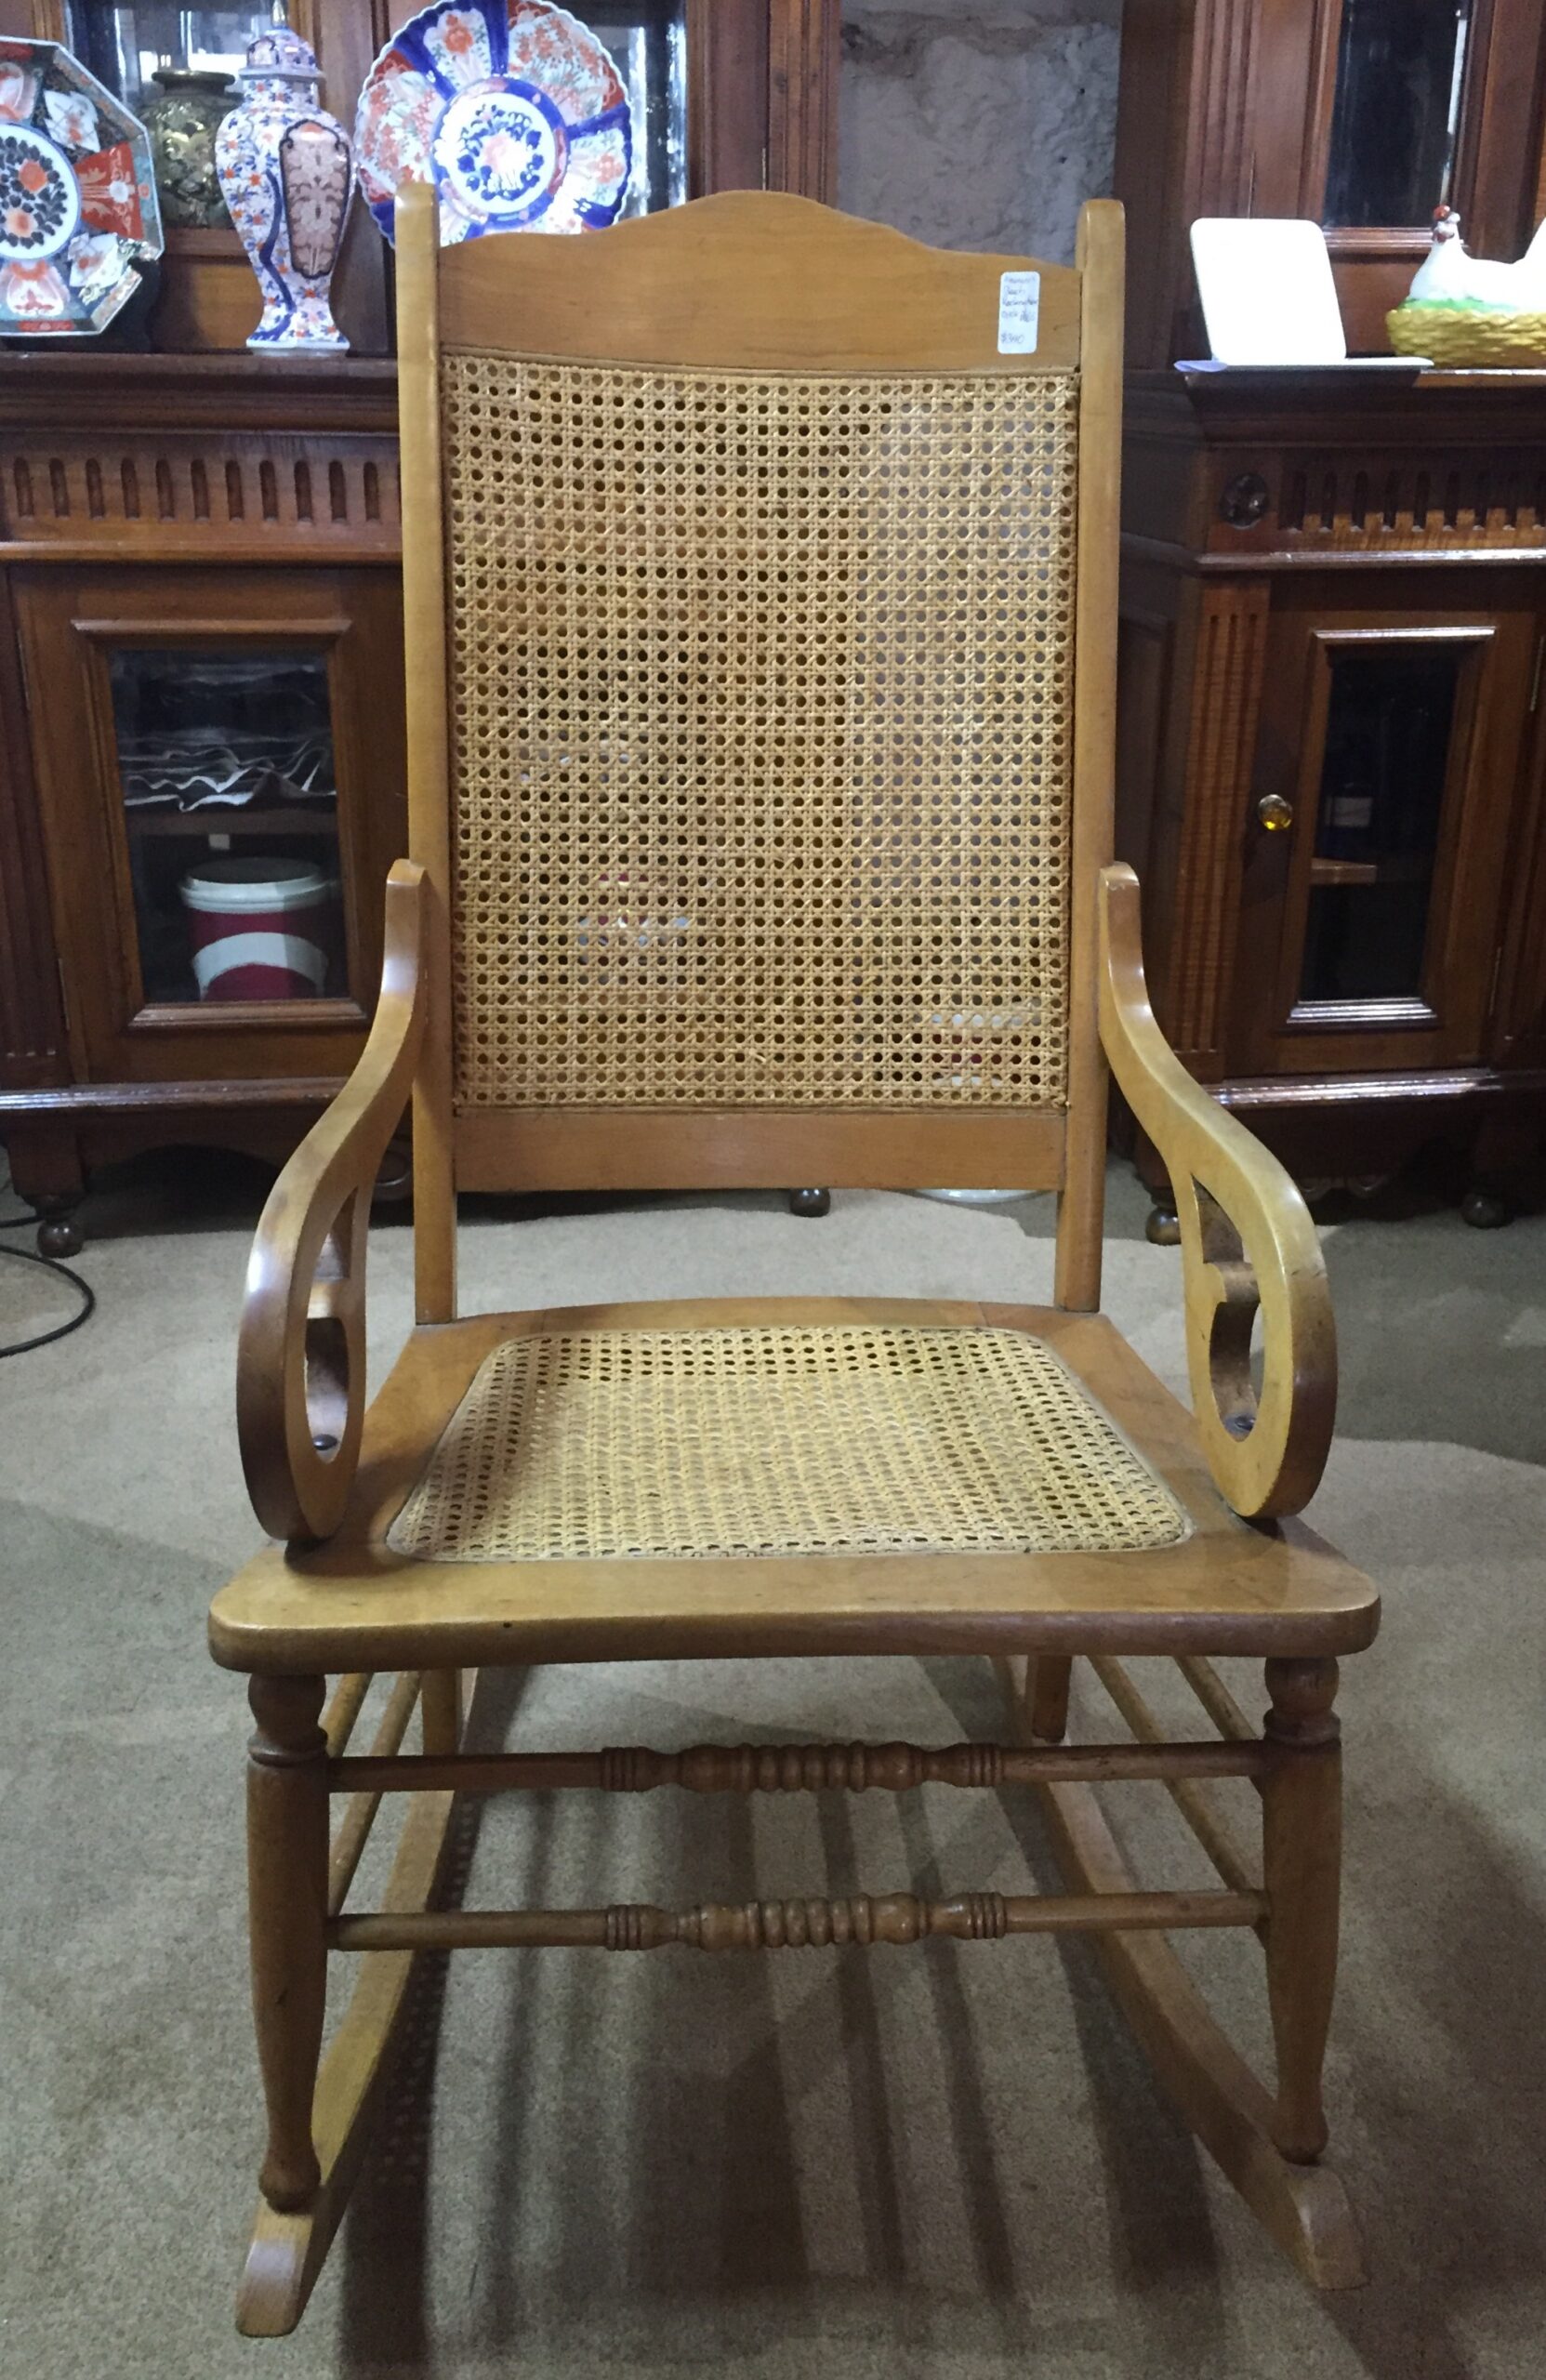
[(287, 176)]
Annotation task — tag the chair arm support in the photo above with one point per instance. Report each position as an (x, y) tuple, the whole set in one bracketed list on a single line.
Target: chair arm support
[(1246, 1241), (300, 1369)]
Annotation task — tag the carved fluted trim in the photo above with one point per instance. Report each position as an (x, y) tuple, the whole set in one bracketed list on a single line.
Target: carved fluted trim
[(1226, 697), (863, 1919), (793, 1768), (1223, 73), (803, 96)]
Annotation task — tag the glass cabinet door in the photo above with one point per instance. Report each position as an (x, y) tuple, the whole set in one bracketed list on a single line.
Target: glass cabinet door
[(1387, 760), (230, 813), (127, 44), (1395, 113), (220, 771), (648, 43), (1387, 771), (176, 67)]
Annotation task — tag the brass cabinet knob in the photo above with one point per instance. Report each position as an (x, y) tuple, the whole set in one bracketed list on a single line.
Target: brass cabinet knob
[(1275, 813)]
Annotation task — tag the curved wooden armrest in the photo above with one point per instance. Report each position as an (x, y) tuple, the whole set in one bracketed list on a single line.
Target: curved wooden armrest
[(1246, 1240), (300, 1369)]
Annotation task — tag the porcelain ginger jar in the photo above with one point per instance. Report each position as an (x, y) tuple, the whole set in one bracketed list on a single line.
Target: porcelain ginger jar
[(287, 176)]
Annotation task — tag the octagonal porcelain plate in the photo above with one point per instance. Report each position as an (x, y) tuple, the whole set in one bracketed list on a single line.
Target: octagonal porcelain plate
[(511, 107), (78, 206)]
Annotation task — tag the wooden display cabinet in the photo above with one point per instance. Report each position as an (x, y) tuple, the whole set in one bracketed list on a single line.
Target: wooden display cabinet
[(200, 570), (1361, 115), (1334, 596)]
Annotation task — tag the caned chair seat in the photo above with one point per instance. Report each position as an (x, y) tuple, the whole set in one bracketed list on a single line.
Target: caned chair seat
[(784, 1476), (779, 1438)]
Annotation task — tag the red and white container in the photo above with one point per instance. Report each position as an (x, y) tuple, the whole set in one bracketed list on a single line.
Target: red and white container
[(260, 928)]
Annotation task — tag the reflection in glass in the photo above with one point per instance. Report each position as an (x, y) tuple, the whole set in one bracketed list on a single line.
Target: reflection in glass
[(124, 46), (1400, 66), (1387, 756), (230, 798), (648, 42)]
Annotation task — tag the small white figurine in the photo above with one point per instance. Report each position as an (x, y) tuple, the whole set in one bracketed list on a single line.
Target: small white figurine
[(1447, 277)]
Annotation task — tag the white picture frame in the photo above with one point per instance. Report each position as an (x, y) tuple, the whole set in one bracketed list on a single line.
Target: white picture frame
[(1268, 298)]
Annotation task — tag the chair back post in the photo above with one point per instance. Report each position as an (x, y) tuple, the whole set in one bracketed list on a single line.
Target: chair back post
[(1081, 1204), (417, 231)]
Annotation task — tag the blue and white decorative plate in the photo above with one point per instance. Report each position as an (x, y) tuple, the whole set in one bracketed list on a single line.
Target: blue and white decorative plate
[(511, 107)]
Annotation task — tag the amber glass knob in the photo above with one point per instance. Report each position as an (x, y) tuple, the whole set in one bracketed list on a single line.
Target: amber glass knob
[(1275, 813)]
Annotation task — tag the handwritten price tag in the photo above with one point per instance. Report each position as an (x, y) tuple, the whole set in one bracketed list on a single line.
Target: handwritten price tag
[(1019, 308)]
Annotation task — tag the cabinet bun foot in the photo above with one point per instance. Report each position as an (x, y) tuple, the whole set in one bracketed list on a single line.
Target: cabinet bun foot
[(60, 1236), (1483, 1211), (1162, 1228)]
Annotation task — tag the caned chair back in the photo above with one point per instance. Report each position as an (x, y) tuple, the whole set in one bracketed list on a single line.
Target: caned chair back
[(760, 587)]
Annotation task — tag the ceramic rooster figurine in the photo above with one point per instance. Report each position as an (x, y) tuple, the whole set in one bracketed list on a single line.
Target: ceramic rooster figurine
[(1468, 310)]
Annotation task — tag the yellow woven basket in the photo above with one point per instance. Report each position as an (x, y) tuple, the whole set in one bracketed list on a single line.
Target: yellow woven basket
[(1468, 334)]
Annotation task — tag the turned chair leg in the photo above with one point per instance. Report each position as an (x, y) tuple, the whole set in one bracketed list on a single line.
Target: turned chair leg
[(1302, 1846), (287, 1831), (1047, 1696)]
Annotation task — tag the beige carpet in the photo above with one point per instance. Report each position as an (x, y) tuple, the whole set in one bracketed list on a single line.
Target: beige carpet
[(947, 2161)]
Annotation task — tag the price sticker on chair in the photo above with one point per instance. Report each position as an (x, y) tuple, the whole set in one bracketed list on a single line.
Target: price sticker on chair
[(1018, 310)]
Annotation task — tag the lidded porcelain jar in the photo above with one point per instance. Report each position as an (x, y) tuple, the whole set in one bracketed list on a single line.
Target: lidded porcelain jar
[(180, 124), (285, 169)]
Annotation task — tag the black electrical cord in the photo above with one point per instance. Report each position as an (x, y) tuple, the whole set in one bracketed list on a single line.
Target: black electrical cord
[(63, 1329), (49, 1265)]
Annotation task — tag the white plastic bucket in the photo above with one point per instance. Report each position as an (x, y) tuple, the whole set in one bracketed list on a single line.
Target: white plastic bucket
[(258, 928)]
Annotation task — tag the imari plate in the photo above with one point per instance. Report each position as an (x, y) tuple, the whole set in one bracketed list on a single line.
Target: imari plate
[(78, 208), (512, 108)]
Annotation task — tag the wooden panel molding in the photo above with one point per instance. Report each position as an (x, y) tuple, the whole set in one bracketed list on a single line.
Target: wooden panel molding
[(32, 1020), (189, 495), (1219, 169), (1226, 692), (803, 64), (727, 95)]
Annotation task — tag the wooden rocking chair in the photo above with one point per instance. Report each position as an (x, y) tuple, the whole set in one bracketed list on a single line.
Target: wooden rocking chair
[(760, 625)]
